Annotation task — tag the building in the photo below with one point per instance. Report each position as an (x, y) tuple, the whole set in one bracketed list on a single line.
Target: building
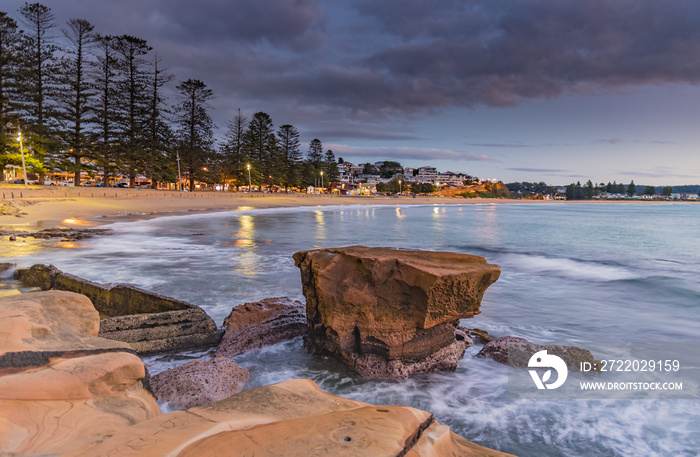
[(427, 175)]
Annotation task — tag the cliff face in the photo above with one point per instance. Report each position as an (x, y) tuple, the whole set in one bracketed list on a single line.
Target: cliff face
[(390, 312)]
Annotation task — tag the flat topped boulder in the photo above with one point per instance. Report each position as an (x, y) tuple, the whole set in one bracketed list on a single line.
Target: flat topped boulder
[(398, 305)]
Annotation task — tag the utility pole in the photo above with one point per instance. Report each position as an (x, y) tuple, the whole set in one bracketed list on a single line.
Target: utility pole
[(179, 176), (21, 151)]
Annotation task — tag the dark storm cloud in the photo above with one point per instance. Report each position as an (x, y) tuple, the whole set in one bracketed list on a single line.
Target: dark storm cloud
[(285, 23), (498, 53), (370, 60)]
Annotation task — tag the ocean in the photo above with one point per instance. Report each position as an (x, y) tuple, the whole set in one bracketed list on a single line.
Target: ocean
[(571, 273)]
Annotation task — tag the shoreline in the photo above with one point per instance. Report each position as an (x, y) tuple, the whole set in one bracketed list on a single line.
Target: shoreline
[(60, 207), (93, 207)]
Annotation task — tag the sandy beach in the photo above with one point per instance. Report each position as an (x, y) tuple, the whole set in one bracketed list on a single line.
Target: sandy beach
[(52, 207)]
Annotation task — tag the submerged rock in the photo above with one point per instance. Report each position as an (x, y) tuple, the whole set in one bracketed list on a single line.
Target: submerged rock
[(60, 384), (292, 418), (516, 352), (150, 322), (482, 336), (389, 312), (199, 383), (254, 325)]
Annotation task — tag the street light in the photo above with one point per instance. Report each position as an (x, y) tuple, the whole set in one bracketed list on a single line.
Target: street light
[(399, 186), (179, 176), (250, 183), (21, 151), (321, 181)]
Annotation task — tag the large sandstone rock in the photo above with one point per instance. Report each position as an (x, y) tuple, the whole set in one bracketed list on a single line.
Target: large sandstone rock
[(199, 383), (516, 352), (390, 312), (151, 323), (60, 384), (254, 325), (293, 418)]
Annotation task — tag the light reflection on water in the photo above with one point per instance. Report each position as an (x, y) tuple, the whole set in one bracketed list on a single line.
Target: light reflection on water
[(570, 273)]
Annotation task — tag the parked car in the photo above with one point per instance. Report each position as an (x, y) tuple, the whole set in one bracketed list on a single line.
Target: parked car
[(66, 183), (48, 182), (18, 181), (121, 184)]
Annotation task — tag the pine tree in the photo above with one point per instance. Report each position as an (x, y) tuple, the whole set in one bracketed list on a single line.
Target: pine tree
[(37, 87), (260, 144), (288, 136), (330, 167), (195, 133), (158, 135), (10, 37), (631, 189), (75, 90), (315, 153), (133, 103), (105, 117), (234, 157)]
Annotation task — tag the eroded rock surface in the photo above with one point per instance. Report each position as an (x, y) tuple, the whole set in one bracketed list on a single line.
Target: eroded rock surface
[(389, 312), (516, 352), (292, 418), (199, 383), (151, 323), (61, 384), (254, 325)]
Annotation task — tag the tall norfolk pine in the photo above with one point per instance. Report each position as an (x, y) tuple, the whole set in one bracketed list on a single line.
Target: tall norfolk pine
[(233, 155), (10, 36), (38, 83), (195, 134), (260, 144), (104, 129), (75, 91), (132, 85), (290, 155)]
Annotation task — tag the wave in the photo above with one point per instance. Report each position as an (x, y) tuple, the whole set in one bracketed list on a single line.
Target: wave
[(569, 268)]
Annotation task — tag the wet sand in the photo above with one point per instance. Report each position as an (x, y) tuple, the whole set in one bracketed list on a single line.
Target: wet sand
[(53, 207)]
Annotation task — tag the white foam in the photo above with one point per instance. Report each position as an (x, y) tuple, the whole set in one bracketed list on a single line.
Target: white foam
[(557, 266)]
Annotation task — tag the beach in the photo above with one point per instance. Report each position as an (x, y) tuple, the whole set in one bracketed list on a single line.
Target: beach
[(55, 207), (568, 272)]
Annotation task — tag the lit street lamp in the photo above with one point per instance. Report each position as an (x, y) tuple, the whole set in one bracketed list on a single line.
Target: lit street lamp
[(21, 151), (250, 182), (321, 181), (399, 186)]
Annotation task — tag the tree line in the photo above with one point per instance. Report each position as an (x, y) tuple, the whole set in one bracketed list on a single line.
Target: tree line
[(589, 190), (88, 102)]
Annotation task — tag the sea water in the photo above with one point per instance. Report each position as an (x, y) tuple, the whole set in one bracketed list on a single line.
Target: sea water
[(571, 273)]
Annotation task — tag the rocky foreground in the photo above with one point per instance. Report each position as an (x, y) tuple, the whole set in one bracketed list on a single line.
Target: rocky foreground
[(389, 313), (66, 391)]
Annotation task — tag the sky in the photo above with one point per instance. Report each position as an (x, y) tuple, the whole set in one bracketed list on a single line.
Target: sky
[(522, 90)]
